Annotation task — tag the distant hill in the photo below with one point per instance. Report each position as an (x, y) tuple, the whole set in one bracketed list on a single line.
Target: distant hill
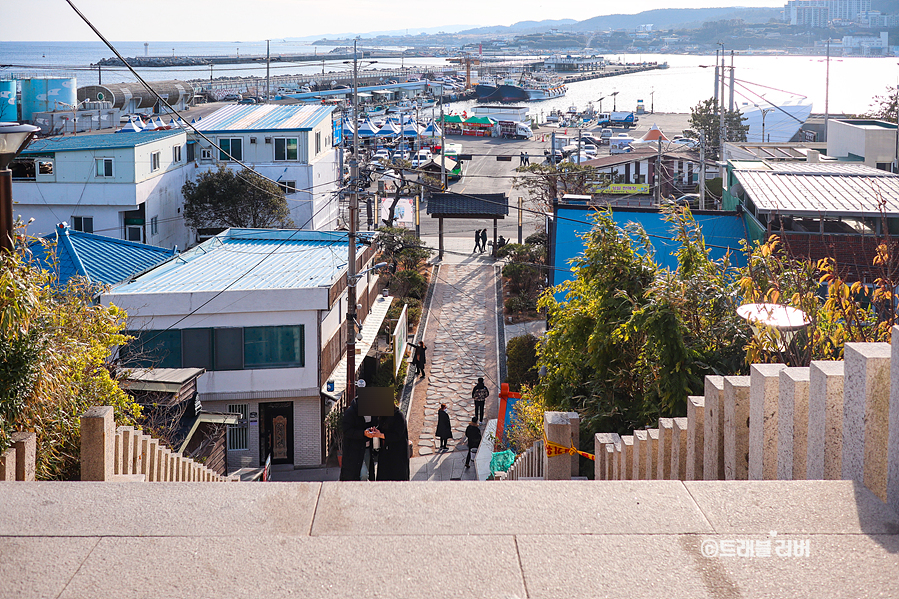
[(525, 26)]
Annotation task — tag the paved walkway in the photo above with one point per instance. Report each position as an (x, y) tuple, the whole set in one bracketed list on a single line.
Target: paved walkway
[(461, 337)]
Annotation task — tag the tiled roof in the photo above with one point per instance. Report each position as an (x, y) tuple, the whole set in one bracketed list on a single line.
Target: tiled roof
[(820, 188), (491, 205), (100, 259), (103, 141), (245, 259), (264, 117)]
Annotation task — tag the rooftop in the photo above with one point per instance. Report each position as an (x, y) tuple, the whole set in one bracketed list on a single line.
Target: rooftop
[(99, 141), (99, 259), (245, 259), (818, 188), (264, 117)]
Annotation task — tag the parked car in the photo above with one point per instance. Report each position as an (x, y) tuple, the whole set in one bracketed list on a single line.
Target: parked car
[(688, 199), (247, 101), (421, 158), (605, 135), (382, 154)]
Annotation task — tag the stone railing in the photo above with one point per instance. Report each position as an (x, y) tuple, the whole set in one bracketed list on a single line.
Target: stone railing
[(17, 462), (125, 454), (528, 465), (832, 420)]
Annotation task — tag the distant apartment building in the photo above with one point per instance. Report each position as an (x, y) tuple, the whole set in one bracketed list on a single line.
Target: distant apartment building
[(122, 185), (818, 13), (858, 45), (292, 145), (874, 18)]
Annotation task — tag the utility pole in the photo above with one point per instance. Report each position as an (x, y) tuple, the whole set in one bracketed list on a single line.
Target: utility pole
[(721, 134), (701, 170), (268, 62), (658, 173), (827, 96), (442, 149), (731, 93), (351, 254)]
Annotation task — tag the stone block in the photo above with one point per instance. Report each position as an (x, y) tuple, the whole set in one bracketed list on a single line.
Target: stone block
[(127, 449), (792, 423), (679, 449), (893, 437), (713, 434), (663, 454), (866, 401), (557, 430), (600, 440), (25, 445), (152, 459), (139, 458), (641, 447), (762, 415), (652, 454), (117, 457), (825, 421), (609, 461), (574, 421), (8, 465), (627, 457), (695, 436), (98, 436), (736, 427), (617, 448)]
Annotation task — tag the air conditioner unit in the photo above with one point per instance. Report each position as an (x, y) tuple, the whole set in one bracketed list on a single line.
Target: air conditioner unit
[(268, 140), (252, 140), (205, 153)]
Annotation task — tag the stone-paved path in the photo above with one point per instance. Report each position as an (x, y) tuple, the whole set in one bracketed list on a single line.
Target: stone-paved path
[(461, 340)]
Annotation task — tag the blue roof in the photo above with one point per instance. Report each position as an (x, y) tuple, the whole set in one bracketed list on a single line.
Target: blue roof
[(100, 259), (101, 141), (264, 117), (723, 232), (250, 259)]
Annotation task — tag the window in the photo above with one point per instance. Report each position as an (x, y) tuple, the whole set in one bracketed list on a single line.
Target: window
[(286, 148), (154, 225), (273, 347), (45, 167), (318, 142), (134, 233), (154, 161), (232, 146), (159, 349), (85, 224), (104, 167), (288, 186), (229, 349), (197, 347), (191, 152), (237, 433), (176, 154), (23, 169), (205, 153)]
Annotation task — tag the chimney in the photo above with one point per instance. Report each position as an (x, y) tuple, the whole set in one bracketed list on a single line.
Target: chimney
[(813, 156)]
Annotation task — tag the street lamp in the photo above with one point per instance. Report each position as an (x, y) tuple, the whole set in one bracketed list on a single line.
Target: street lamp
[(600, 102), (13, 139), (765, 112), (614, 101)]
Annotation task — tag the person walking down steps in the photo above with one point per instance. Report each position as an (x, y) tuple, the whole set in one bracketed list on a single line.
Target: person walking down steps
[(473, 436), (419, 358), (444, 428), (480, 393)]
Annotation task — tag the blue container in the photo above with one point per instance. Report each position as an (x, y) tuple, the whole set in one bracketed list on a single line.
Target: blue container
[(47, 95), (9, 110)]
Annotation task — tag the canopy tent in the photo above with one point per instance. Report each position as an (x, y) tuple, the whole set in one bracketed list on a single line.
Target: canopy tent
[(367, 129), (388, 130), (453, 118), (480, 121), (131, 127), (411, 129), (432, 130), (654, 134)]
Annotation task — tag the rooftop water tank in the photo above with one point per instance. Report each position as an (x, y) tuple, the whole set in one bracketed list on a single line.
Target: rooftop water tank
[(8, 105), (47, 95)]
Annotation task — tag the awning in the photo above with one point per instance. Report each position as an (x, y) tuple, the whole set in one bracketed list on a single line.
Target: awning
[(370, 329), (210, 417)]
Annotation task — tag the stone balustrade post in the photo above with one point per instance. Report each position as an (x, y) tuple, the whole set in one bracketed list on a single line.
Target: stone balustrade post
[(652, 455), (557, 430), (117, 458), (152, 459), (713, 435), (139, 457), (663, 455), (641, 446), (627, 457), (98, 437), (866, 403), (8, 465), (600, 440), (127, 449), (763, 399), (609, 460), (574, 421), (825, 421), (679, 449), (736, 428), (792, 423), (695, 436), (25, 445), (617, 449), (893, 423)]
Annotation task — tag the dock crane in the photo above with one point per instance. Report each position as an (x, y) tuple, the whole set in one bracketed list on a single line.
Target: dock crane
[(467, 60)]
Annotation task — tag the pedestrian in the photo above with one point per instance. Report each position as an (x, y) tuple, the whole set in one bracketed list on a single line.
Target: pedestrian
[(357, 445), (527, 159), (483, 240), (477, 241), (521, 159), (444, 428), (419, 358), (480, 393), (393, 457), (473, 437)]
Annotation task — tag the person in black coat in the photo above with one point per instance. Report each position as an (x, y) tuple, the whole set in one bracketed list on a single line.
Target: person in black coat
[(444, 428), (483, 240), (419, 358), (479, 394), (477, 241), (473, 436), (393, 457), (356, 439)]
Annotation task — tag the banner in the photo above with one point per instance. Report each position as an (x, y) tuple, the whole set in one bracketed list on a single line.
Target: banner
[(553, 450), (625, 188), (400, 336), (404, 212)]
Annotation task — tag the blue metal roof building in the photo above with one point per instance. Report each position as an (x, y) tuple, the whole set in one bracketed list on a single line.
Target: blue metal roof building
[(103, 141), (264, 117), (250, 259), (97, 258)]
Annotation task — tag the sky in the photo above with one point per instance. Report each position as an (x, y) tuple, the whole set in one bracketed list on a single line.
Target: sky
[(251, 20)]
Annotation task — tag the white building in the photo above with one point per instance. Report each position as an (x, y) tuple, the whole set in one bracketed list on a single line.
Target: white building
[(818, 13), (869, 141), (124, 185), (261, 311), (291, 144), (859, 45)]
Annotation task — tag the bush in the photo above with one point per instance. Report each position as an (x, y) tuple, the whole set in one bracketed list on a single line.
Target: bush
[(521, 361), (523, 278), (409, 283), (518, 304), (538, 238)]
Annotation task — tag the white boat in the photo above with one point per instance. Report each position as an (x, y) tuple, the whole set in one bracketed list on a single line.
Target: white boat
[(781, 118), (402, 106), (375, 111)]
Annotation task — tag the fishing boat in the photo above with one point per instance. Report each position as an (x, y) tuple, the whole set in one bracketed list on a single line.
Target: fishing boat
[(402, 106), (375, 111), (526, 89)]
